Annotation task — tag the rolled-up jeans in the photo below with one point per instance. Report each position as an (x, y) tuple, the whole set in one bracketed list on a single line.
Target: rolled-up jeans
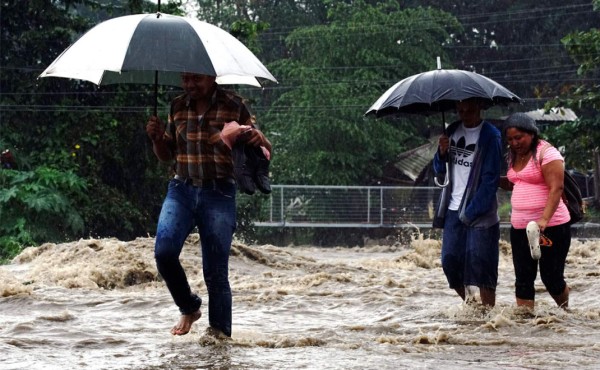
[(212, 209)]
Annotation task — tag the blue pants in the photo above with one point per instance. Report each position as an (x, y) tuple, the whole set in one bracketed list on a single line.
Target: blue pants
[(552, 262), (469, 254), (212, 210)]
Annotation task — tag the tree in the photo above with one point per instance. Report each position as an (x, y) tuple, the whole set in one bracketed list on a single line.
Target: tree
[(517, 42), (582, 135), (38, 206), (73, 128), (334, 72)]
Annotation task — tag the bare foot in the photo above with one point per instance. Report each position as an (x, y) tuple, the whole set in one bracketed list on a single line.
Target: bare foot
[(185, 323)]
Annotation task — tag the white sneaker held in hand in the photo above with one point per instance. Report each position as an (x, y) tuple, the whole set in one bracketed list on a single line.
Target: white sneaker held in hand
[(533, 236)]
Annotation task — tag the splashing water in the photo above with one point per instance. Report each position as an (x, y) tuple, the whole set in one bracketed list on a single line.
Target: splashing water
[(100, 304)]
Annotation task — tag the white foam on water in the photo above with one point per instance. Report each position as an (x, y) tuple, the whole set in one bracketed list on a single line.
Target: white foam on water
[(100, 304)]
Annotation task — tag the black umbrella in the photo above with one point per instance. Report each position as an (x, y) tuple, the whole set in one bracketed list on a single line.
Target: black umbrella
[(438, 91)]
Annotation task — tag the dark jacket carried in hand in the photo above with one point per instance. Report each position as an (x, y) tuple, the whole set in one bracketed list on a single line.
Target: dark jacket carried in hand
[(251, 168)]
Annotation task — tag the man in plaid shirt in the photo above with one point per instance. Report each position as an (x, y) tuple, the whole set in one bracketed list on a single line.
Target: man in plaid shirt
[(201, 194)]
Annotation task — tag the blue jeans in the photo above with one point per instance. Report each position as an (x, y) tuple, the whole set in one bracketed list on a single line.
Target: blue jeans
[(470, 255), (212, 210)]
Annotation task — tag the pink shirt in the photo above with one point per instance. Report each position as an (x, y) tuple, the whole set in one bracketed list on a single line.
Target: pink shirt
[(530, 192)]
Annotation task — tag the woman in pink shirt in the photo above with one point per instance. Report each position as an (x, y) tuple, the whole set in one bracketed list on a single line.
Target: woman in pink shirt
[(535, 176)]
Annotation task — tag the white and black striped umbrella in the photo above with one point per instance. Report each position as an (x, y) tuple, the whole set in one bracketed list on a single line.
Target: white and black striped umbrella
[(156, 48)]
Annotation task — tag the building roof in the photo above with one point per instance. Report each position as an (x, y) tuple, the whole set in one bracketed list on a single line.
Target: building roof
[(556, 115), (412, 162)]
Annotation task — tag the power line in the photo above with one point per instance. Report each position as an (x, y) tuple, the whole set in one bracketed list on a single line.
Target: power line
[(71, 108), (277, 109), (355, 67), (522, 74), (424, 25), (543, 10), (571, 67)]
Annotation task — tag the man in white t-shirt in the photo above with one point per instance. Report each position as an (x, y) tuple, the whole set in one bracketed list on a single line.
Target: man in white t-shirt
[(468, 208)]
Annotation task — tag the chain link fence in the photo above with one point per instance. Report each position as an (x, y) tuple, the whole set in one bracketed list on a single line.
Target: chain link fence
[(318, 206), (356, 206)]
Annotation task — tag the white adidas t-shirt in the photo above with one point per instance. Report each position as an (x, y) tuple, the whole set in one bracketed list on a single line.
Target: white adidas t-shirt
[(462, 148)]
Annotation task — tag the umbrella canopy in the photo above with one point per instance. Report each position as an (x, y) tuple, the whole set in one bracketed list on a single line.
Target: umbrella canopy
[(438, 91), (131, 49)]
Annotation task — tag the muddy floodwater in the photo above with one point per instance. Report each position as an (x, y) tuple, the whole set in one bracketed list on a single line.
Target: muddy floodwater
[(100, 304)]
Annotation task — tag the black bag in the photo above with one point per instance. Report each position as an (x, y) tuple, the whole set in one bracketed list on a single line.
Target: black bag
[(571, 195), (572, 198)]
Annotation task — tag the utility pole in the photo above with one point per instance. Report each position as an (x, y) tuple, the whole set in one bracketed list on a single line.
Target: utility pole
[(596, 175)]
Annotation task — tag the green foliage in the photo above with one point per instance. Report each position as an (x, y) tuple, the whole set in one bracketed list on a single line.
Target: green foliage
[(332, 58), (580, 138), (74, 127), (39, 206), (109, 213), (248, 208), (516, 42), (173, 7), (248, 32), (584, 48), (317, 123)]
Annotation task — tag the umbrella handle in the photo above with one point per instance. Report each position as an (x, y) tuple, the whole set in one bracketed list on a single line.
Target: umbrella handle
[(446, 179), (156, 93)]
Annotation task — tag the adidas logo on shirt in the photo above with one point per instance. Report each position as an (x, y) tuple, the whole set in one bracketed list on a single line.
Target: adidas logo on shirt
[(460, 151)]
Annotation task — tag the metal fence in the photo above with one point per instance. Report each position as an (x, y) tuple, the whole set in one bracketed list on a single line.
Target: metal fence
[(356, 206)]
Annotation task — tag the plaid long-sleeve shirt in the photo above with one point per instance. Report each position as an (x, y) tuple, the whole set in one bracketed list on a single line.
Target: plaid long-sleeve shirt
[(195, 139)]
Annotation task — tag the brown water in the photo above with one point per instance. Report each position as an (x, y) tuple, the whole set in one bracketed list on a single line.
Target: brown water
[(97, 304)]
